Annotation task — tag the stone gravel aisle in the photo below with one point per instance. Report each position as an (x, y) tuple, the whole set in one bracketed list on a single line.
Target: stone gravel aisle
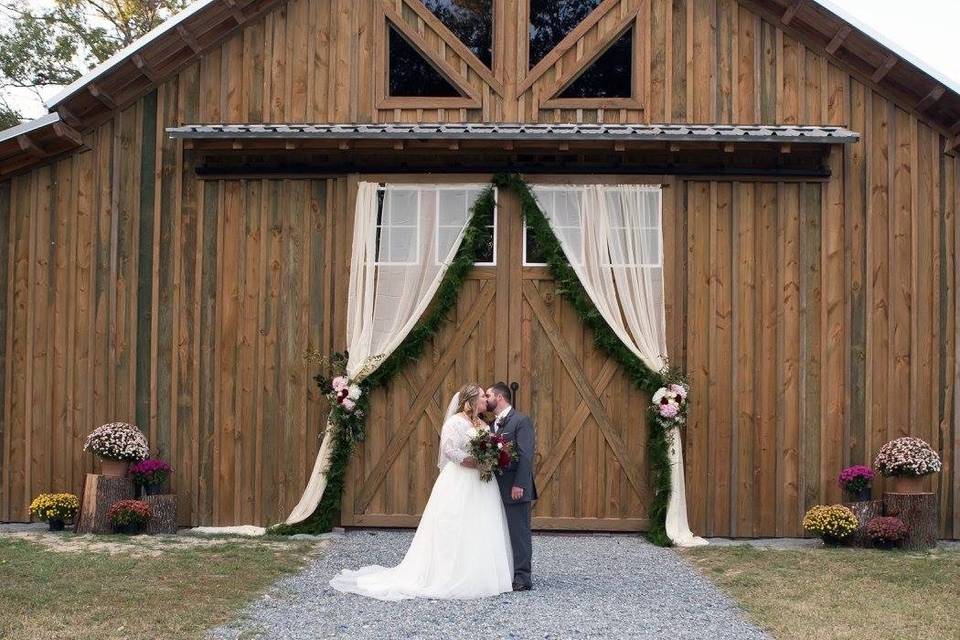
[(584, 587)]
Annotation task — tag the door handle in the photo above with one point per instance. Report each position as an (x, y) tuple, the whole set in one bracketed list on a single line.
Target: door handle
[(513, 393)]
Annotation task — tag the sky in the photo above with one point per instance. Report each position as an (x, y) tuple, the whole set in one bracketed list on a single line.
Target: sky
[(926, 29)]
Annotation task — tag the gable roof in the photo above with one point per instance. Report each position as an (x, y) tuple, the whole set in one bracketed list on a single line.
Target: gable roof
[(122, 56), (138, 68), (892, 45)]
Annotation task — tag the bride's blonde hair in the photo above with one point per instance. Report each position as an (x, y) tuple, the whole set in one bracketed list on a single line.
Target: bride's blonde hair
[(470, 393)]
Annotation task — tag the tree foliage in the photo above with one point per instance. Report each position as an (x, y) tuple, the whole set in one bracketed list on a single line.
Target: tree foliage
[(8, 116), (47, 44)]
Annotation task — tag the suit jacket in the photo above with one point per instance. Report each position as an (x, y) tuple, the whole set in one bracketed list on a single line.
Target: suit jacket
[(518, 428)]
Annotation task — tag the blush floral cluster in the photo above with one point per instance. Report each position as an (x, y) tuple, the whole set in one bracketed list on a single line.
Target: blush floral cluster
[(118, 441), (669, 405), (907, 457)]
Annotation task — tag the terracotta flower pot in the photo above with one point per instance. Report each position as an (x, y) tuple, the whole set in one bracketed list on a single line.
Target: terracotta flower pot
[(908, 484), (117, 468)]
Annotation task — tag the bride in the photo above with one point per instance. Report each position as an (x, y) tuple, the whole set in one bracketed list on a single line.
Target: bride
[(461, 549)]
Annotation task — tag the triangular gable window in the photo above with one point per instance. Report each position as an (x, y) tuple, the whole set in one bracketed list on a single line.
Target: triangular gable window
[(610, 75), (411, 75), (471, 21), (551, 21)]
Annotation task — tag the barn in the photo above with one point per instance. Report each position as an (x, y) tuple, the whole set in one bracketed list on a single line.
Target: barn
[(176, 237)]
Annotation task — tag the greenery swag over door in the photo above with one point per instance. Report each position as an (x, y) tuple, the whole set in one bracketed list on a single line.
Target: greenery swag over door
[(348, 426)]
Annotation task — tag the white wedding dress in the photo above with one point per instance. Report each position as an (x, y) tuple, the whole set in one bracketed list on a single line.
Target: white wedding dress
[(461, 549)]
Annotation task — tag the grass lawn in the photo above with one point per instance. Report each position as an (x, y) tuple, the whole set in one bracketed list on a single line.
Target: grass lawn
[(840, 593), (116, 587)]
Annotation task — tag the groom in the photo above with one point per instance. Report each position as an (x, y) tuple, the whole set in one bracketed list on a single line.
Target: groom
[(516, 483)]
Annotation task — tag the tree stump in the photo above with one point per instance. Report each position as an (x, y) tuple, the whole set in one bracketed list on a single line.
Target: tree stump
[(163, 513), (865, 512), (99, 494), (919, 512)]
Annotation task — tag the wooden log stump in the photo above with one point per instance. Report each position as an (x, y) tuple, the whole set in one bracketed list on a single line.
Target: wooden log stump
[(99, 494), (865, 512), (919, 512), (163, 510)]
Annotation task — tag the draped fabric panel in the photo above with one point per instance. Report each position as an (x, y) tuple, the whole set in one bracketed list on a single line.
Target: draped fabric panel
[(613, 238), (404, 239)]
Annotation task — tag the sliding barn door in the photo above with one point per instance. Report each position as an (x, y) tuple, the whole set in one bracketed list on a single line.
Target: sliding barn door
[(512, 324)]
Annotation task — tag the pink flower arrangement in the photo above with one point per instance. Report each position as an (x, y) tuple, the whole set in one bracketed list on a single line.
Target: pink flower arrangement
[(886, 532), (669, 405), (856, 478), (344, 393), (668, 410), (150, 472)]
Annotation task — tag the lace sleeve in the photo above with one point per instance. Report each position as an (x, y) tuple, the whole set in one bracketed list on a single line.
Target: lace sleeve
[(453, 441)]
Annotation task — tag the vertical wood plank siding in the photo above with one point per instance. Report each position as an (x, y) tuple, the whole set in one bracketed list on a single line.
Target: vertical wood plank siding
[(817, 320)]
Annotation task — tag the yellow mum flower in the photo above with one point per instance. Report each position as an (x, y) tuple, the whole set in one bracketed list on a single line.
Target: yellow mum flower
[(55, 506)]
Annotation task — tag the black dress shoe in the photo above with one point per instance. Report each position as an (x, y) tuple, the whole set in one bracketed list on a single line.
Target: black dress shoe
[(521, 587)]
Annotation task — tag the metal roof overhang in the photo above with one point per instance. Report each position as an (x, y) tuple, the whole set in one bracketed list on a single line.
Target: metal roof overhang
[(225, 150), (35, 142), (262, 134)]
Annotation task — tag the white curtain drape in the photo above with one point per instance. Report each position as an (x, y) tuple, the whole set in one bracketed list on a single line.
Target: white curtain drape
[(612, 236), (404, 239)]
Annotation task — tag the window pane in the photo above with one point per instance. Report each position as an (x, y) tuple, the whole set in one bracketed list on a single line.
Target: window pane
[(486, 217), (651, 247), (453, 207), (574, 243), (567, 210), (611, 76), (534, 254), (651, 214), (469, 20), (618, 252), (402, 243), (485, 245), (445, 240), (411, 75), (381, 245), (551, 21), (400, 208)]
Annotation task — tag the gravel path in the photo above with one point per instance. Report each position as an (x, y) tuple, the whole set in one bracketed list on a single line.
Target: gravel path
[(584, 587)]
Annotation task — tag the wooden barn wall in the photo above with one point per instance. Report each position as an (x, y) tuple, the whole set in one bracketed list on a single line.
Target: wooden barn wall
[(818, 318)]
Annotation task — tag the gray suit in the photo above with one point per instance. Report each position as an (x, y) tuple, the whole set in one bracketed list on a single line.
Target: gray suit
[(519, 428)]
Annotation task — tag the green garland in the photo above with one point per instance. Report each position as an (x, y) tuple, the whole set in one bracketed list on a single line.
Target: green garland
[(347, 428), (607, 341)]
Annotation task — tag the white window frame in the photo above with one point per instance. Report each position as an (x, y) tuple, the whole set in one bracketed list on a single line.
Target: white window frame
[(382, 188), (496, 209), (436, 188), (607, 262)]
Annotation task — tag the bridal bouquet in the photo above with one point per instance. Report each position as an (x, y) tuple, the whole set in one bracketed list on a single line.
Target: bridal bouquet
[(493, 452)]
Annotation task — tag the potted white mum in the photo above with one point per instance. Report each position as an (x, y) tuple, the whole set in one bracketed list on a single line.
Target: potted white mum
[(117, 444), (907, 460)]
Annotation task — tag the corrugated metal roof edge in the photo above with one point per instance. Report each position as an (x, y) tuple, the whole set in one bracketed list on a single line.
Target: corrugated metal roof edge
[(31, 125), (512, 131), (127, 52)]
